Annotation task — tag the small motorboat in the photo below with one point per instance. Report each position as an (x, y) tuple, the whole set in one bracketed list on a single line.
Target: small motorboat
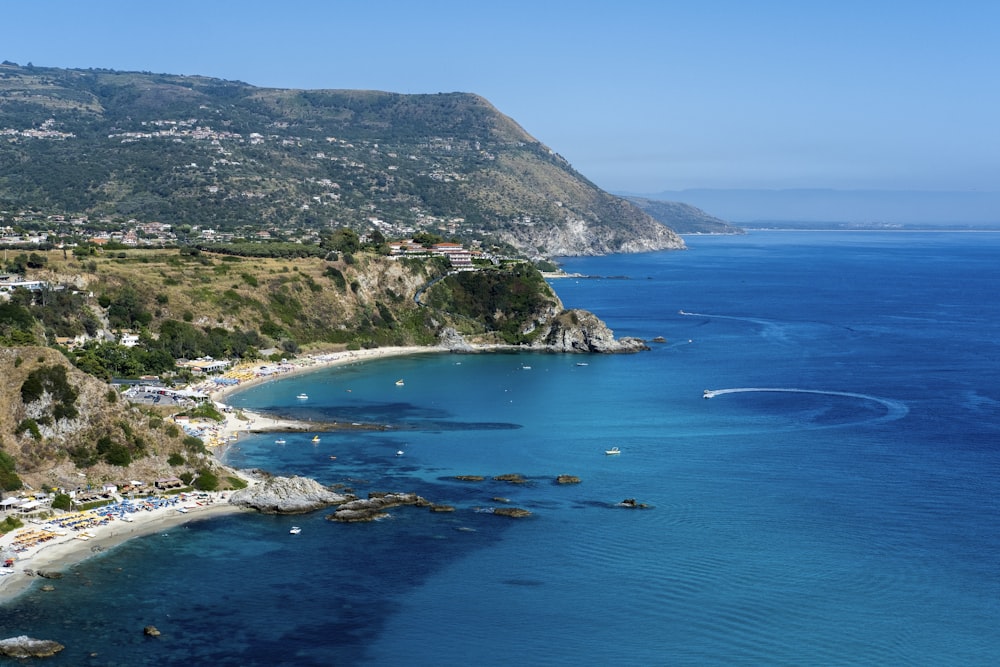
[(279, 441), (295, 530), (614, 451), (302, 397), (315, 438), (399, 382), (399, 452), (333, 458)]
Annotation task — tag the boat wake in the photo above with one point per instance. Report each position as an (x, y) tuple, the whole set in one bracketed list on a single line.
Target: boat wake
[(768, 328), (894, 409)]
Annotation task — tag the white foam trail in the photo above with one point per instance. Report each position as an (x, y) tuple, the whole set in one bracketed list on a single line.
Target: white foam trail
[(769, 327), (894, 409)]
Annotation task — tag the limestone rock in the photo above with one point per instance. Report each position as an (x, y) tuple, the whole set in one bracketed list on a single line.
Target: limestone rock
[(286, 495), (27, 647), (567, 479)]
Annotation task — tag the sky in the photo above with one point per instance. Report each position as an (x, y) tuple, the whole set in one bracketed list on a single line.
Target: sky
[(640, 96)]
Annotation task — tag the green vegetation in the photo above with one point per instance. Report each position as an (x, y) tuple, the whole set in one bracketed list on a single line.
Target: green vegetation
[(51, 380), (206, 480), (10, 523), (125, 145), (506, 300), (62, 502), (9, 480)]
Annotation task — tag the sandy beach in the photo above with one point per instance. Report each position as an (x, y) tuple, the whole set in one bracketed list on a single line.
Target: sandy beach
[(69, 546), (64, 547)]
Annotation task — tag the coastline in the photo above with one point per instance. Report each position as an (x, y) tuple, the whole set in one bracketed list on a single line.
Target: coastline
[(69, 548), (253, 422)]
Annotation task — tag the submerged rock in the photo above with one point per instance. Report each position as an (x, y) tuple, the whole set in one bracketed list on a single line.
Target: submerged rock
[(151, 631), (512, 478), (512, 512), (632, 504), (27, 647), (469, 478), (286, 495), (567, 479)]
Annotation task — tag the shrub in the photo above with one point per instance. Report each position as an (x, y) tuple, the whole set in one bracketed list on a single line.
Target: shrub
[(206, 480), (176, 459), (62, 502)]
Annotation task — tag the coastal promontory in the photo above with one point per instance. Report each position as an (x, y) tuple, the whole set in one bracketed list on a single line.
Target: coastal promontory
[(286, 495)]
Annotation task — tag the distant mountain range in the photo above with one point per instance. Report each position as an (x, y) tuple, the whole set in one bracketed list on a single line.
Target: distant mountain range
[(867, 208), (226, 155)]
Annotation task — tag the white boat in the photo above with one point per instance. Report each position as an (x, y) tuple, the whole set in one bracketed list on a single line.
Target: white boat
[(582, 363), (399, 452), (399, 382), (279, 441), (613, 451), (295, 530), (315, 438), (302, 397)]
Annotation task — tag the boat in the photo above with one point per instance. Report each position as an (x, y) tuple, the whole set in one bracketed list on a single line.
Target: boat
[(399, 452), (279, 441), (582, 363), (302, 397), (315, 438), (333, 458), (295, 530), (399, 382), (613, 451)]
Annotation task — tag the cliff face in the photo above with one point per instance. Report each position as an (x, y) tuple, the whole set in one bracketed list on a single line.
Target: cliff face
[(582, 331), (522, 311)]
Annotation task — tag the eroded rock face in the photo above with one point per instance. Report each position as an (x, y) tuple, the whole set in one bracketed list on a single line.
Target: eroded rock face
[(27, 647), (286, 495), (582, 331)]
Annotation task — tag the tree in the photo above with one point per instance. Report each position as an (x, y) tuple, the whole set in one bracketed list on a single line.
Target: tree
[(62, 502), (342, 240)]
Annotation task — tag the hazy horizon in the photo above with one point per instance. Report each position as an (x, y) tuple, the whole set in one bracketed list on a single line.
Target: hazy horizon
[(864, 207)]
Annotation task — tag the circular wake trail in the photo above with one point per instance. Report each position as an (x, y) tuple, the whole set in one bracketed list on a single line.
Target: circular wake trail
[(894, 409)]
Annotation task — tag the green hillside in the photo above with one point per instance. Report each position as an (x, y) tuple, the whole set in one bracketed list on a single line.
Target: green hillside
[(188, 150)]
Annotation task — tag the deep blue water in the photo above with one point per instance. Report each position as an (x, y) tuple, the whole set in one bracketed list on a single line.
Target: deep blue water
[(856, 522)]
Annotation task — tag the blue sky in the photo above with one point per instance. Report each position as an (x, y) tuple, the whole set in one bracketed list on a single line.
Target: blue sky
[(639, 96)]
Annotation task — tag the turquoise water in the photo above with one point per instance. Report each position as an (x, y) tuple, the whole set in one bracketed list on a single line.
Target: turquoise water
[(854, 521)]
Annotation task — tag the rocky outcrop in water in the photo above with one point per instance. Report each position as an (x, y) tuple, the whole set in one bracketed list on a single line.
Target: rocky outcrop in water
[(286, 495), (27, 647), (582, 331), (512, 512), (373, 507)]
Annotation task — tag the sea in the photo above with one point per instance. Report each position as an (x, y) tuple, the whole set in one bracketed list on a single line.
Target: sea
[(835, 500)]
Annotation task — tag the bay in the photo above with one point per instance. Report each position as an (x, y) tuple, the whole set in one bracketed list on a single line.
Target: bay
[(853, 520)]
